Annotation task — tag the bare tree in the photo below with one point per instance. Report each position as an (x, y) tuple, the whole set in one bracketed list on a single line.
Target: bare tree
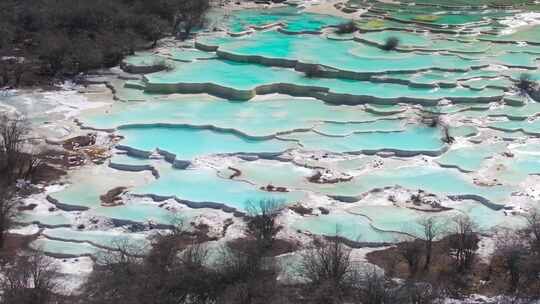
[(170, 273), (261, 221), (530, 264), (525, 85), (30, 279), (246, 277), (463, 242), (511, 252), (391, 43), (373, 289), (346, 28), (531, 232), (431, 230), (8, 213), (13, 135), (329, 270), (417, 293), (411, 251), (190, 14), (117, 277)]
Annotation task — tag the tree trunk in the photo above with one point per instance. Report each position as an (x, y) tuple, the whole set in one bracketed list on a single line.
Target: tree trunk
[(428, 255)]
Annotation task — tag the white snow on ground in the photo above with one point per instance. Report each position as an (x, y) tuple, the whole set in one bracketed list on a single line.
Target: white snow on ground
[(486, 247), (70, 102), (73, 273), (479, 299), (25, 230), (519, 20)]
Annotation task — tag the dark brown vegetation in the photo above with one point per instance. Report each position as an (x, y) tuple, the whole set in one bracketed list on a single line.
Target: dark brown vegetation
[(346, 28), (30, 279), (171, 273), (313, 71), (525, 85), (391, 44), (40, 39), (25, 278), (261, 221), (179, 269), (16, 163), (174, 274), (452, 266), (516, 261)]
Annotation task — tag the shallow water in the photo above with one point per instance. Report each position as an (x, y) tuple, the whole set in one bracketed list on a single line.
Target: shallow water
[(282, 140)]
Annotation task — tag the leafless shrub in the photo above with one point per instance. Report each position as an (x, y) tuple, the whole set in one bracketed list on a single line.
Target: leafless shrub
[(30, 279), (189, 15), (246, 277), (329, 271), (8, 213), (375, 290), (510, 253), (261, 221), (463, 243), (313, 70), (411, 250), (391, 43), (431, 229), (346, 28), (525, 85)]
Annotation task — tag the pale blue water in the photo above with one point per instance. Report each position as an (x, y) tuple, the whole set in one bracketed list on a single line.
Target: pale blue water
[(205, 186), (188, 142), (245, 76), (254, 118), (294, 19), (429, 67), (338, 54), (470, 158), (351, 226), (413, 138)]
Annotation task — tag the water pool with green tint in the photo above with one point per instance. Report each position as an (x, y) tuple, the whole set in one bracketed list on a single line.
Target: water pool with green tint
[(411, 139), (188, 142), (436, 180), (453, 18), (100, 238), (246, 76), (203, 185), (338, 54), (470, 158), (529, 34), (144, 59), (87, 185), (353, 227), (294, 19), (407, 40), (435, 64), (344, 129), (189, 54), (255, 118), (64, 248), (532, 127)]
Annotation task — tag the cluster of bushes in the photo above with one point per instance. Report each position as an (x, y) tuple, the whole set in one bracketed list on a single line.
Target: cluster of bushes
[(391, 43), (73, 36), (517, 258), (16, 162), (525, 85), (444, 255), (178, 269), (346, 28)]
